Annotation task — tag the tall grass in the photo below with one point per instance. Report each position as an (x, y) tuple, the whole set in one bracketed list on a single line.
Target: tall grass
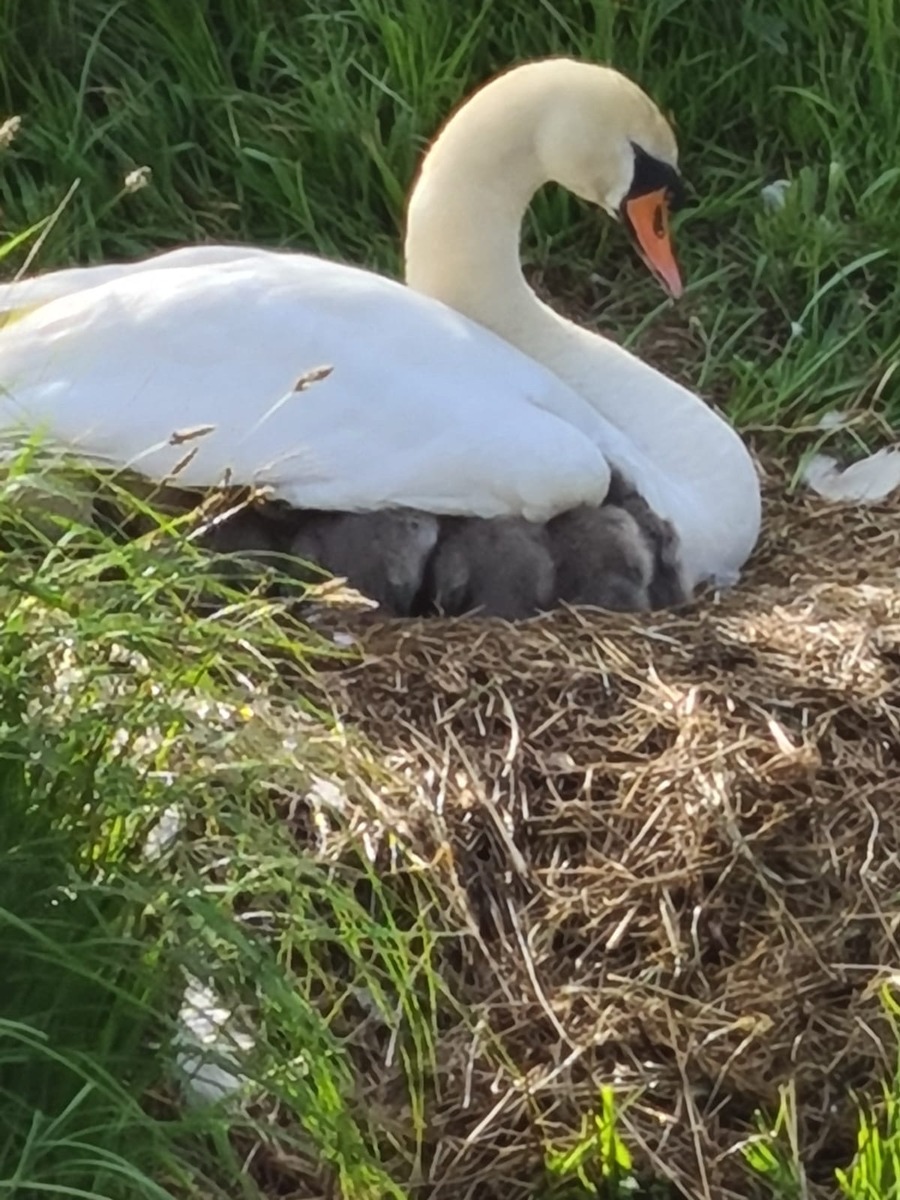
[(122, 704)]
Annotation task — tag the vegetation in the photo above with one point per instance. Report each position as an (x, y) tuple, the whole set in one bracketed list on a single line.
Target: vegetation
[(290, 123)]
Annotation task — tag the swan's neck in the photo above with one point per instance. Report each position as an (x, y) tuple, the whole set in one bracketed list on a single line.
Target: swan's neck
[(462, 247), (463, 226)]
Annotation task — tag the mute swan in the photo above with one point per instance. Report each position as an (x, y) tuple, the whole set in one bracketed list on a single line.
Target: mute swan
[(495, 406), (382, 554), (500, 568)]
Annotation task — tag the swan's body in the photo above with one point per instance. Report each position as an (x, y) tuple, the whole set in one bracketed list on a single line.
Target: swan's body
[(498, 568), (112, 372), (426, 407)]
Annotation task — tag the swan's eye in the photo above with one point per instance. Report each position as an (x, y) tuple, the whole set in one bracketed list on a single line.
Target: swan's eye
[(653, 175)]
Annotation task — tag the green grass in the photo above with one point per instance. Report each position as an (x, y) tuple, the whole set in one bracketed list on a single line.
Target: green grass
[(117, 702), (286, 123)]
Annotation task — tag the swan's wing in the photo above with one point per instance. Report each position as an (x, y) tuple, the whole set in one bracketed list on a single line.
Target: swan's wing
[(25, 295), (421, 407)]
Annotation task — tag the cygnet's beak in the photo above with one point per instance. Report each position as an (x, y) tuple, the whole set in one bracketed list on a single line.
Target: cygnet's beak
[(646, 217)]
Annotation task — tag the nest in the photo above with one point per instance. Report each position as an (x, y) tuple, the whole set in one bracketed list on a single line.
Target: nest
[(673, 844)]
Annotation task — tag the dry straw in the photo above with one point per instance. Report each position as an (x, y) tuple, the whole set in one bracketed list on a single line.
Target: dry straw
[(674, 845)]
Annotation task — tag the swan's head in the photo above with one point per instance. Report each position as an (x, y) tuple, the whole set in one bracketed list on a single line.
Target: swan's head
[(601, 137)]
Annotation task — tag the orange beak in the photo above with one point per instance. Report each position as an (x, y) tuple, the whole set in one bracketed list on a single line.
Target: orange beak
[(647, 217)]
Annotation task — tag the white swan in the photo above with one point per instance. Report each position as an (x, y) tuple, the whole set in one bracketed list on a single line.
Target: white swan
[(425, 407)]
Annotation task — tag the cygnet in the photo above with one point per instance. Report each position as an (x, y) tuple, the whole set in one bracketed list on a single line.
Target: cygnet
[(602, 558), (381, 554), (499, 567), (251, 536), (667, 588)]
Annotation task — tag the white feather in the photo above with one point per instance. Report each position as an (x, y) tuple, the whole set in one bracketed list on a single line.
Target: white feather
[(864, 482)]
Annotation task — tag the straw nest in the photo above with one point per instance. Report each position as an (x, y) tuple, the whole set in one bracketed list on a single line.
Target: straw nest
[(670, 846)]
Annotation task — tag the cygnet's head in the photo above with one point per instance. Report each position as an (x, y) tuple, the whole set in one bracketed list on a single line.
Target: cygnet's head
[(603, 138)]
